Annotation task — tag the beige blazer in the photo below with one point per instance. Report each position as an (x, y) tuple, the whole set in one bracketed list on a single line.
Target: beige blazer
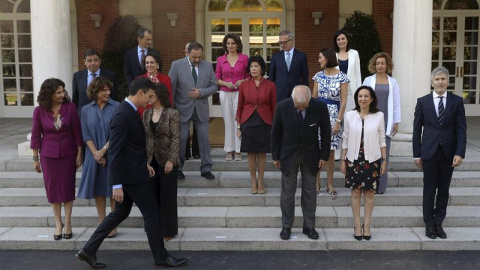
[(374, 135)]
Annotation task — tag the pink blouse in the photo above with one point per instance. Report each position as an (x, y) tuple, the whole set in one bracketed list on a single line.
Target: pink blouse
[(231, 74)]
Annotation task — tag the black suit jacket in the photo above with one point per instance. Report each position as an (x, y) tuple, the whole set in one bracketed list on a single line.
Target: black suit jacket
[(79, 87), (287, 138), (285, 80), (132, 65), (126, 154), (452, 134)]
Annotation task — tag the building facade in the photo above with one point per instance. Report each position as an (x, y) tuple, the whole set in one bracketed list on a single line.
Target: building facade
[(47, 38)]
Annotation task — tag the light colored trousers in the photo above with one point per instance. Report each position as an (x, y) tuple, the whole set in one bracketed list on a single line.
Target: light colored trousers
[(229, 102)]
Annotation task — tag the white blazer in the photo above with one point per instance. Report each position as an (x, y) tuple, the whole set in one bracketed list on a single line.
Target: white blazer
[(373, 137), (394, 114), (354, 76)]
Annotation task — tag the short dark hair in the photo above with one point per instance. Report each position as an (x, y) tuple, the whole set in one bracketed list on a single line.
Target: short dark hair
[(373, 106), (90, 52), (155, 56), (260, 61), (140, 83), (338, 33), (48, 88), (161, 91), (141, 31), (98, 84), (194, 46), (331, 57), (236, 38)]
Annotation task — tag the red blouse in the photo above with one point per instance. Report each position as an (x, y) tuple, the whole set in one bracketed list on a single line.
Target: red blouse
[(262, 98)]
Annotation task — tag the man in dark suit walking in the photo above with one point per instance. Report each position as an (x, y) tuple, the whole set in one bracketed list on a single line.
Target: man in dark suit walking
[(288, 67), (295, 144), (82, 79), (135, 57), (130, 175), (438, 148)]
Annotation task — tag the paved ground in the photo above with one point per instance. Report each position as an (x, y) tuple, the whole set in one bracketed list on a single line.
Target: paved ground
[(43, 260)]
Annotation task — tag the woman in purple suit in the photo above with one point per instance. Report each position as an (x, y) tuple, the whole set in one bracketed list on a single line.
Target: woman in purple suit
[(57, 137)]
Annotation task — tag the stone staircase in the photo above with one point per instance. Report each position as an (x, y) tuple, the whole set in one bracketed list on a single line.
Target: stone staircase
[(221, 214)]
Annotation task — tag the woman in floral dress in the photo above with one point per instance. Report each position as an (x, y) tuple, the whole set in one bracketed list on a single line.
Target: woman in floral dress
[(364, 154), (331, 87)]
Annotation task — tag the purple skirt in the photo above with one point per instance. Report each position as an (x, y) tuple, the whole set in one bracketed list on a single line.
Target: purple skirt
[(59, 178)]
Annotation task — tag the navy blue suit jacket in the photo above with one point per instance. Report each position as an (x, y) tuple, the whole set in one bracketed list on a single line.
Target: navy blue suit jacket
[(452, 134), (127, 155), (79, 87), (287, 139), (285, 80), (132, 65)]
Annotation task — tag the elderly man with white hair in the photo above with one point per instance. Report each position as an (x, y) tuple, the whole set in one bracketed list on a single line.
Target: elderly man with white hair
[(295, 145)]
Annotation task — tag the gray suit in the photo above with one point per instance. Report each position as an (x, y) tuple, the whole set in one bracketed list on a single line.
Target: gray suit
[(191, 109)]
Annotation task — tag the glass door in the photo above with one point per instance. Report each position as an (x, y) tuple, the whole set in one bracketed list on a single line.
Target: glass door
[(257, 22), (455, 46)]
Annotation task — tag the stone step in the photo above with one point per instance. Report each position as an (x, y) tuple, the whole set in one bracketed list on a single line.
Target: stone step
[(24, 163), (247, 217), (241, 239), (241, 179), (397, 196)]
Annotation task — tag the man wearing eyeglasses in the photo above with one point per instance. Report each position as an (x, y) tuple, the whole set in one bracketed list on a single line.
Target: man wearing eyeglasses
[(288, 67)]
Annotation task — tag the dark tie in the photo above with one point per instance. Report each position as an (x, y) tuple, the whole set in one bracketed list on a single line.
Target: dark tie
[(300, 119), (194, 74), (441, 111), (93, 77), (142, 63)]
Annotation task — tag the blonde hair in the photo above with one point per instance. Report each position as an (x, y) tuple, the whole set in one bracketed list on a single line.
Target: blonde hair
[(373, 60)]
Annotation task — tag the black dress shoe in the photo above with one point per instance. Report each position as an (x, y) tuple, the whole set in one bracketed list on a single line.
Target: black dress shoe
[(311, 233), (171, 262), (208, 175), (180, 175), (91, 260), (440, 232), (285, 233), (430, 232)]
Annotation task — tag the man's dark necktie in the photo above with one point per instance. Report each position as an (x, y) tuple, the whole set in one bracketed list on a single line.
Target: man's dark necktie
[(441, 111), (300, 119), (194, 74), (142, 63)]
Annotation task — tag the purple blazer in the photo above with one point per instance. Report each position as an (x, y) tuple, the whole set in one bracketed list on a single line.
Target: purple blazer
[(231, 74), (53, 143)]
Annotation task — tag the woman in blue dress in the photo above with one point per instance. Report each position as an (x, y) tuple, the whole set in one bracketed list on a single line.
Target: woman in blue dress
[(95, 119), (331, 87)]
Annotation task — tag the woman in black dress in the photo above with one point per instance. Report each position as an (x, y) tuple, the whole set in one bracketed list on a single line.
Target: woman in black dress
[(363, 156), (257, 98)]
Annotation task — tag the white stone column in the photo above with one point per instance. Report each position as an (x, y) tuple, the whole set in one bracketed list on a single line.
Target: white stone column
[(51, 42), (412, 56), (51, 48)]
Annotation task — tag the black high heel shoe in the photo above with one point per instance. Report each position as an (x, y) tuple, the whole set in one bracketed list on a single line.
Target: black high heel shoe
[(357, 237), (366, 237), (58, 236), (68, 235)]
